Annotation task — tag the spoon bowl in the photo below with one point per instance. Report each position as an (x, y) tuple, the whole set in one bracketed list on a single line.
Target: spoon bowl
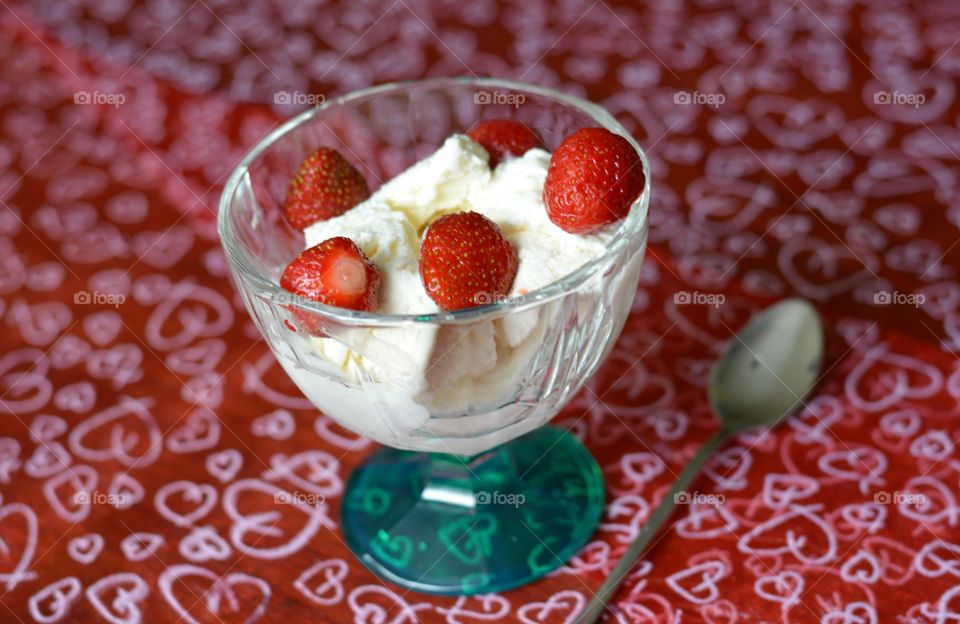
[(769, 368)]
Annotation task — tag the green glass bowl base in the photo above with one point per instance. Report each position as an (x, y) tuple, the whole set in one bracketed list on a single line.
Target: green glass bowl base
[(442, 524)]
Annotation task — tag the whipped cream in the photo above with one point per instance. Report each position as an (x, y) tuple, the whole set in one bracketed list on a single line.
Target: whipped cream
[(423, 369), (389, 225)]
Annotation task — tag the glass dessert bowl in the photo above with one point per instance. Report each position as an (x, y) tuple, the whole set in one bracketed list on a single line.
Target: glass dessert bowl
[(473, 493)]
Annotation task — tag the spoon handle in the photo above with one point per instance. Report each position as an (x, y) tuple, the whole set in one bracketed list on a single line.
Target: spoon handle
[(599, 601)]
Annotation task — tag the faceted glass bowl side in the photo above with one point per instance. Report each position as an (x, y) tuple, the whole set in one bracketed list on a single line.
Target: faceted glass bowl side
[(545, 344), (499, 501)]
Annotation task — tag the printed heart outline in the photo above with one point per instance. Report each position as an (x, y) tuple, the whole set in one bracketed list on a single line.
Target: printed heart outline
[(194, 321), (866, 466), (162, 250), (125, 491), (331, 591), (638, 470), (125, 603), (224, 465), (204, 544), (931, 565), (491, 607), (102, 327), (201, 357), (788, 580), (187, 439), (262, 524), (828, 256), (83, 480), (212, 598), (32, 378), (793, 543), (20, 571), (121, 364), (45, 427), (374, 613), (709, 573), (9, 458), (542, 612), (140, 546), (78, 398), (729, 468), (48, 459), (862, 567), (62, 593), (204, 495), (120, 444), (86, 548), (632, 506), (206, 390), (323, 477), (277, 425), (903, 390)]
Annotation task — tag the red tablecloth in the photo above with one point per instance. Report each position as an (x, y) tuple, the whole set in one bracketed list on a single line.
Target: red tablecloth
[(805, 147)]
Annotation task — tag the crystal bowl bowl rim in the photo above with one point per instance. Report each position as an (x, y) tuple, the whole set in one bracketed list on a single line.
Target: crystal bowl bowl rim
[(631, 228)]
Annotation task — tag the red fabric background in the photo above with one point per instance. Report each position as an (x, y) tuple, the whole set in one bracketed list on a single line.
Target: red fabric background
[(800, 182)]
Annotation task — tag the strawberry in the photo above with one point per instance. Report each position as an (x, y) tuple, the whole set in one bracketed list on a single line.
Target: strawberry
[(335, 272), (502, 138), (466, 261), (593, 179), (325, 185)]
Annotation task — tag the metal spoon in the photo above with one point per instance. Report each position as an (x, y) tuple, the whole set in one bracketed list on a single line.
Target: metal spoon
[(762, 376)]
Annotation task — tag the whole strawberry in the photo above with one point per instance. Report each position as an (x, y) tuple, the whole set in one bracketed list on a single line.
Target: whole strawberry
[(466, 261), (335, 272), (502, 138), (593, 179), (325, 186)]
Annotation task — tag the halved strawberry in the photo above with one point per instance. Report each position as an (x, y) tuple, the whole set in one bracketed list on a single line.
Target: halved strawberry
[(335, 272), (466, 261), (325, 186), (594, 178), (503, 137)]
